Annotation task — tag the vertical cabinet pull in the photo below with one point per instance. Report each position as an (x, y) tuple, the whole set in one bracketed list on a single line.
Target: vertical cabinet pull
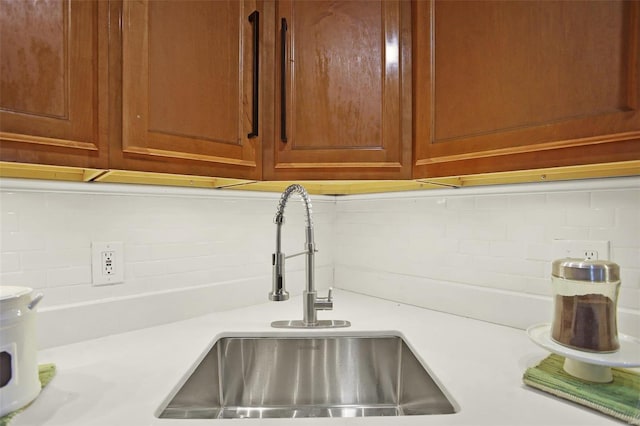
[(254, 18), (283, 80)]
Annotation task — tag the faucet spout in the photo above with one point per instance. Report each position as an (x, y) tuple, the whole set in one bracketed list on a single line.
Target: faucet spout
[(311, 302), (279, 292)]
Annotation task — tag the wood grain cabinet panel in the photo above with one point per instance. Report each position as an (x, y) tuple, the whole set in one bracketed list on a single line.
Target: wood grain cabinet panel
[(53, 82), (343, 111), (188, 88), (519, 85), (371, 89)]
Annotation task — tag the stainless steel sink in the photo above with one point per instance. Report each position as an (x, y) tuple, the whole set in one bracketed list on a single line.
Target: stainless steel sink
[(286, 377)]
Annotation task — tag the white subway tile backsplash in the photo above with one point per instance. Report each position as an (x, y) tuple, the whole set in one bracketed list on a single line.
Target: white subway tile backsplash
[(591, 217), (461, 203), (189, 264), (566, 232), (9, 222), (170, 241), (9, 262), (146, 269), (21, 201), (564, 199), (630, 277), (628, 220), (477, 247), (492, 202), (538, 286), (138, 252), (627, 256), (526, 201), (629, 298), (459, 231), (108, 233), (626, 198), (171, 250), (527, 231), (514, 249), (543, 215), (620, 236), (67, 238), (539, 251), (69, 276), (443, 245), (59, 258), (476, 241), (489, 229), (500, 241), (22, 241), (509, 282), (33, 279), (430, 204), (186, 279)]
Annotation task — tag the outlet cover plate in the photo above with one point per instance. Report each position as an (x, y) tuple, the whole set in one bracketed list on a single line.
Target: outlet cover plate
[(107, 262), (581, 249)]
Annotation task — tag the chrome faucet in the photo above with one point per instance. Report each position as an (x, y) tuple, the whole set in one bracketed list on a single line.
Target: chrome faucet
[(311, 303)]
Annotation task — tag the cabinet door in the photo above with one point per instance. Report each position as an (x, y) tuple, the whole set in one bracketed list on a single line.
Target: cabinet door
[(522, 85), (53, 82), (188, 88), (346, 91)]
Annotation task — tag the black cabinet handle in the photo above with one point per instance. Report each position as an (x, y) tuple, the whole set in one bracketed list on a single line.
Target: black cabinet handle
[(254, 18), (283, 80)]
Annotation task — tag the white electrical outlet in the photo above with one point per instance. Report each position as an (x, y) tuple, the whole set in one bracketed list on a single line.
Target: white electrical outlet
[(108, 259), (581, 249), (107, 263)]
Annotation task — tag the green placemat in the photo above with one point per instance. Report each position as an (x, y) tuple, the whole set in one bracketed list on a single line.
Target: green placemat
[(45, 374), (620, 398)]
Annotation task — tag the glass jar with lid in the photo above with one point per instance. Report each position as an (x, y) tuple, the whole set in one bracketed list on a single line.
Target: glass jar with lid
[(585, 304)]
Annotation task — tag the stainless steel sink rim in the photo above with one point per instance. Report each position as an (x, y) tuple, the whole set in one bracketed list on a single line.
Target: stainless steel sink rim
[(291, 375), (284, 412)]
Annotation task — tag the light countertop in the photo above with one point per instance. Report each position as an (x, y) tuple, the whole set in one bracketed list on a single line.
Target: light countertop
[(123, 379)]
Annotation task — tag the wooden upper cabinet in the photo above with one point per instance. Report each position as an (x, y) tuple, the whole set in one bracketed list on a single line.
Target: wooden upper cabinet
[(188, 89), (521, 85), (53, 82), (343, 104)]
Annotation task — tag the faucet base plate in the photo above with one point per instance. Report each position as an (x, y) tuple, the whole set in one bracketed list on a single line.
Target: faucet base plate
[(319, 324)]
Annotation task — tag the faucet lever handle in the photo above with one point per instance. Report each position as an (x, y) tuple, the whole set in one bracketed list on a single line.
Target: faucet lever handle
[(323, 303)]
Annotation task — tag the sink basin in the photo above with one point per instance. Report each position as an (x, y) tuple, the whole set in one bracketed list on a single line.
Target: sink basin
[(318, 376)]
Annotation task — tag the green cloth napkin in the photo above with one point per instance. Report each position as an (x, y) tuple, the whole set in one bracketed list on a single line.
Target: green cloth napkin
[(45, 374), (620, 398)]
